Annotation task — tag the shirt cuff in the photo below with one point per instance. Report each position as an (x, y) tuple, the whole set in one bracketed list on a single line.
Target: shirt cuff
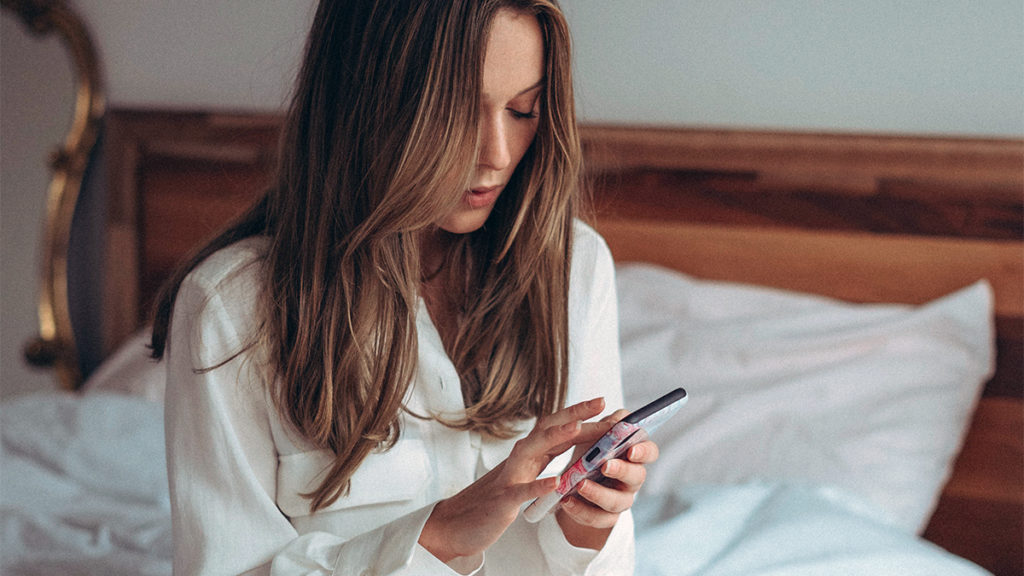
[(423, 562), (394, 549), (616, 557), (559, 552)]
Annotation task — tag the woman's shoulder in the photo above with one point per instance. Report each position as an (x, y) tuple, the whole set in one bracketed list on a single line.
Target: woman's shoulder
[(227, 284), (585, 235), (219, 299), (590, 253), (235, 266)]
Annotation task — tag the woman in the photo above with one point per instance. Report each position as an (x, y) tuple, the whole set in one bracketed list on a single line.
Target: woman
[(367, 372)]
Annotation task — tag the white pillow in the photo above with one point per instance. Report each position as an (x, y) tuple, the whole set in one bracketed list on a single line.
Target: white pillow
[(130, 370), (873, 398)]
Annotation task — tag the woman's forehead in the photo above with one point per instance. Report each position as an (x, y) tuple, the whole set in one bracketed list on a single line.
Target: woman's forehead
[(514, 60)]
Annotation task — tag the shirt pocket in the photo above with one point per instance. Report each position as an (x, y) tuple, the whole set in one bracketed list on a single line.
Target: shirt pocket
[(395, 476)]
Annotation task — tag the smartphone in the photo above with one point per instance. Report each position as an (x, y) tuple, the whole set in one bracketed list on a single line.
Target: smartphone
[(628, 432)]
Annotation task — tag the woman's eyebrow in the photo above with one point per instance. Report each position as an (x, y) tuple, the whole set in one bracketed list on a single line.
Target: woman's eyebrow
[(531, 88)]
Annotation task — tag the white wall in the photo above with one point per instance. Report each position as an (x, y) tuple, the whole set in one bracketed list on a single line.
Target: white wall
[(224, 53), (918, 66)]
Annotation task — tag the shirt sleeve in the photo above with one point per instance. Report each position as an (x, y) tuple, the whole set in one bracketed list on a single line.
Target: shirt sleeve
[(222, 461)]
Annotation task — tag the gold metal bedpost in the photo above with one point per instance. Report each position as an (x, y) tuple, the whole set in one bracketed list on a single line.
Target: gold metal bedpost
[(55, 345)]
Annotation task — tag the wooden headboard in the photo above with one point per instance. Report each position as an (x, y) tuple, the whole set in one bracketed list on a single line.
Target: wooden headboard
[(866, 218)]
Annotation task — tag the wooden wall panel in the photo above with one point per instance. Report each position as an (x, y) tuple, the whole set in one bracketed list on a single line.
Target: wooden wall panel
[(175, 178)]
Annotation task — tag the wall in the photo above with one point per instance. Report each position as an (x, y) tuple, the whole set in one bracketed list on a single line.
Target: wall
[(36, 101), (917, 66), (920, 66)]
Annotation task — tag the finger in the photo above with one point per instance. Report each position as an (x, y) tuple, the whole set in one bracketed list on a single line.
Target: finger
[(616, 416), (643, 453), (540, 446), (527, 491), (579, 411), (585, 513), (604, 497), (629, 476), (589, 433), (557, 432)]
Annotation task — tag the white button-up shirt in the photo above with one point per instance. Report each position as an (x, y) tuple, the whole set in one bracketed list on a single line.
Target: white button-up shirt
[(238, 470)]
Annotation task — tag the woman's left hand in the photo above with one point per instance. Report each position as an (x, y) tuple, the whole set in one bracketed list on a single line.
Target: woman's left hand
[(588, 517)]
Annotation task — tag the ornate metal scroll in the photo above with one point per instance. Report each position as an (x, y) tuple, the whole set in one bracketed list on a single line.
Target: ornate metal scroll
[(55, 345)]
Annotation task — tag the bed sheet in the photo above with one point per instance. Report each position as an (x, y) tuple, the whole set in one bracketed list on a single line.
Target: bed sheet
[(83, 486), (84, 492), (779, 529)]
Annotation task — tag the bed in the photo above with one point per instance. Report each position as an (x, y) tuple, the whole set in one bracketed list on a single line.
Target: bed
[(845, 310)]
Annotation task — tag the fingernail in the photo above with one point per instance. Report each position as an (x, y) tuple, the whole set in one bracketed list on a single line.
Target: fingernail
[(636, 452), (584, 487), (610, 468)]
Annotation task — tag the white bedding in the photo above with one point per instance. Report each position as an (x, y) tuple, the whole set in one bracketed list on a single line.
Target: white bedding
[(780, 530), (875, 398), (83, 484), (83, 493)]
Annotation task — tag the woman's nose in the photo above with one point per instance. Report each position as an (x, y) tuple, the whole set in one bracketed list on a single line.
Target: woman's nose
[(494, 152)]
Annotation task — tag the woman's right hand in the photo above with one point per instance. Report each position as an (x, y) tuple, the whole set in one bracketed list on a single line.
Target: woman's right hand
[(472, 520)]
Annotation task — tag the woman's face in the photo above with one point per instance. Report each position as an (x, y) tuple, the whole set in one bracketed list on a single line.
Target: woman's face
[(513, 77)]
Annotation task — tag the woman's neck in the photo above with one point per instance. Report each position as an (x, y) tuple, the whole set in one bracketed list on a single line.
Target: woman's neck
[(435, 245)]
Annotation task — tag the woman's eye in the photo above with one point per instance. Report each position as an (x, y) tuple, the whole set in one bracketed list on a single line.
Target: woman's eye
[(522, 115)]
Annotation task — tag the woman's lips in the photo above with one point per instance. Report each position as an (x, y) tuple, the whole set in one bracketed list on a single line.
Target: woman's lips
[(482, 197)]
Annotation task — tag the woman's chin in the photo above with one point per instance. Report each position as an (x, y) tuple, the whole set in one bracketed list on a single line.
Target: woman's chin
[(465, 220), (462, 226)]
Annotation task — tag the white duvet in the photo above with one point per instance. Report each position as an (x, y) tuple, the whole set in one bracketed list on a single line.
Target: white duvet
[(83, 491)]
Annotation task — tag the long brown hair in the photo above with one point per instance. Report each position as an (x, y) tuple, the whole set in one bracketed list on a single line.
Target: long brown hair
[(379, 142)]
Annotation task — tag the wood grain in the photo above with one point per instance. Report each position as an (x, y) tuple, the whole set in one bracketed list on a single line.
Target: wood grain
[(981, 512), (848, 265)]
